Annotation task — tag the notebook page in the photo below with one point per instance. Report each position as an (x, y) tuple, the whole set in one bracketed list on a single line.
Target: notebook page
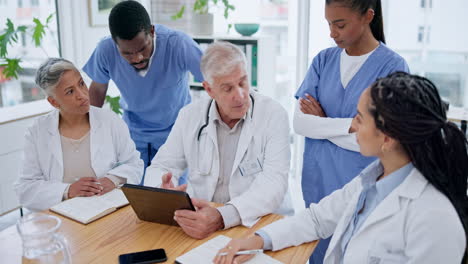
[(115, 197), (206, 252), (82, 208)]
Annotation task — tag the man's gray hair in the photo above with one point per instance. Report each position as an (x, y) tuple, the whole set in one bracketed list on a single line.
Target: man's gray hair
[(49, 73), (219, 59)]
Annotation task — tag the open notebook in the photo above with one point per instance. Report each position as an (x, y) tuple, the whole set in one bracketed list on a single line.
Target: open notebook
[(88, 209), (206, 252)]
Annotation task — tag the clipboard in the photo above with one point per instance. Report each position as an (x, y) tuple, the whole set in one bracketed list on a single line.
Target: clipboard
[(155, 204)]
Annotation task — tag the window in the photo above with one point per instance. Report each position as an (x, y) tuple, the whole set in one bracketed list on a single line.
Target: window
[(439, 52), (449, 84), (16, 91), (428, 34), (420, 34), (426, 3), (23, 39)]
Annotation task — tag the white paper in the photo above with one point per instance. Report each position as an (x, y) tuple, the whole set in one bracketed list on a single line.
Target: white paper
[(115, 197), (206, 252)]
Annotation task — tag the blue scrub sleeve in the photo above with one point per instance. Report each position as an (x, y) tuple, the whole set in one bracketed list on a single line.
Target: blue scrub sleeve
[(189, 56), (311, 81), (399, 65), (97, 66)]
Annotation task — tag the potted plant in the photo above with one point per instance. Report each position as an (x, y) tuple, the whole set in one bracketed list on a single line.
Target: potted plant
[(10, 67), (202, 20)]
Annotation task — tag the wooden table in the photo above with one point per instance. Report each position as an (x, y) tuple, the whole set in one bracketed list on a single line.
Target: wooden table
[(121, 232)]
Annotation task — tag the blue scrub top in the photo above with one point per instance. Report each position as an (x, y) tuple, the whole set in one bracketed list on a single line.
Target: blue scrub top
[(328, 167), (150, 103)]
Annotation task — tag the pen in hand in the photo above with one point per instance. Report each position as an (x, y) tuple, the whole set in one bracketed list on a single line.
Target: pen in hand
[(243, 252)]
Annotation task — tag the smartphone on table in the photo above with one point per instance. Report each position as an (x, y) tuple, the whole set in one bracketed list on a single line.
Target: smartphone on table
[(144, 257)]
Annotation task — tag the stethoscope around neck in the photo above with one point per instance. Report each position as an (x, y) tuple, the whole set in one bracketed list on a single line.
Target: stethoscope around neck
[(207, 118), (207, 171)]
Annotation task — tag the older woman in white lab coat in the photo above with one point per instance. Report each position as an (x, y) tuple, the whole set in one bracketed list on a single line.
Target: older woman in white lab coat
[(410, 206), (77, 149)]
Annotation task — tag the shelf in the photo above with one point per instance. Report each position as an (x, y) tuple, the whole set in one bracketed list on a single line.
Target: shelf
[(25, 110)]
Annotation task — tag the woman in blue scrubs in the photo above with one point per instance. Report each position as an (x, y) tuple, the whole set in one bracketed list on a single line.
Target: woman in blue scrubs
[(329, 94)]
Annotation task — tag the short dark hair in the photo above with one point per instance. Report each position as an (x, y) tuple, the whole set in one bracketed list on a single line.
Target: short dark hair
[(127, 19)]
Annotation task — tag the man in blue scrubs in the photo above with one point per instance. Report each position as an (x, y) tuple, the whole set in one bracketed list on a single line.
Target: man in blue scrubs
[(149, 64)]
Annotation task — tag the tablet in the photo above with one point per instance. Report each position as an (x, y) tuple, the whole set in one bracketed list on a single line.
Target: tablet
[(156, 204)]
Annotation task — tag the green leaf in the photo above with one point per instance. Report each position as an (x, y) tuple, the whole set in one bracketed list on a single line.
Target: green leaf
[(179, 14), (38, 32), (22, 28), (200, 6), (3, 50), (10, 26), (114, 103), (10, 36), (49, 18), (227, 7), (12, 67)]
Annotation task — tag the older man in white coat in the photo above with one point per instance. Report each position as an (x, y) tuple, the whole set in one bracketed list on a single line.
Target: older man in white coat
[(235, 146)]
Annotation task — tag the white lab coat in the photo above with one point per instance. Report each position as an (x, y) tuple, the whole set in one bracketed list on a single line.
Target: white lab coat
[(264, 137), (415, 223), (41, 185)]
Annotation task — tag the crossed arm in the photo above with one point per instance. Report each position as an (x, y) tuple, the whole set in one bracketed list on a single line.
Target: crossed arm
[(311, 121)]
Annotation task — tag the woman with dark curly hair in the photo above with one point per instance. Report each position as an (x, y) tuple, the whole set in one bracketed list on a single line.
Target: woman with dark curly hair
[(409, 206)]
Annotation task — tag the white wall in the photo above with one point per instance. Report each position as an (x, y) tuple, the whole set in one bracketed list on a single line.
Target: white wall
[(319, 32), (78, 39), (12, 135)]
